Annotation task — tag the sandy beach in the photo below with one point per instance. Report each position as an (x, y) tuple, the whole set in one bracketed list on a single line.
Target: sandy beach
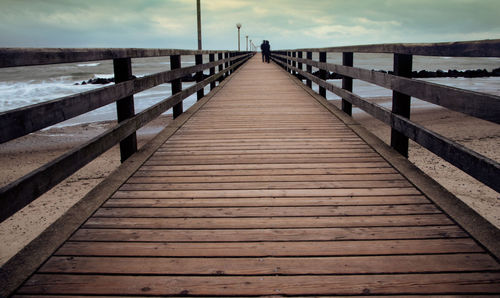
[(25, 154)]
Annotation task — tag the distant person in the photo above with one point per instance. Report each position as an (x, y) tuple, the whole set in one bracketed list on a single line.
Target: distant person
[(266, 51), (262, 50)]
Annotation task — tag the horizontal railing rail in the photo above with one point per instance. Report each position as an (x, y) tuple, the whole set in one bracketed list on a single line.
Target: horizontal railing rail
[(478, 48), (476, 104), (20, 122), (11, 57)]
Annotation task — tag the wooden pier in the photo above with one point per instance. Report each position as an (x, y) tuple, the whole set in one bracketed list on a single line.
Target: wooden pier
[(262, 188), (266, 189)]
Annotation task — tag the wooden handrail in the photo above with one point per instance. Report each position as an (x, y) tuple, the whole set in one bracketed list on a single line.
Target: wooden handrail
[(476, 104), (12, 57), (477, 48), (19, 122)]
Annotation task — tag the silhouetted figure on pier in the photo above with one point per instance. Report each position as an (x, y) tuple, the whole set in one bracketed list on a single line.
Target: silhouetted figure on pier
[(262, 47), (266, 50)]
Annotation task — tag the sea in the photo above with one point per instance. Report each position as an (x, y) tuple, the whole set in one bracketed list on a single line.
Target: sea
[(24, 86)]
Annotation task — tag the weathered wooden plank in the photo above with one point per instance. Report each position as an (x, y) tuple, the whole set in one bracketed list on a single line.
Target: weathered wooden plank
[(266, 155), (272, 265), (256, 160), (264, 144), (158, 172), (267, 211), (256, 138), (275, 178), (243, 134), (246, 235), (261, 249), (270, 201), (476, 48), (267, 222), (445, 283), (266, 193), (266, 185)]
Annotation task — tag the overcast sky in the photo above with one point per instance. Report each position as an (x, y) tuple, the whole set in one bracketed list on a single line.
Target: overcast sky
[(285, 23)]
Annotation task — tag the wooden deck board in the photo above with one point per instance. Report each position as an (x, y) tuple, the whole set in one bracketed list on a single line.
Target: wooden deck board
[(264, 192)]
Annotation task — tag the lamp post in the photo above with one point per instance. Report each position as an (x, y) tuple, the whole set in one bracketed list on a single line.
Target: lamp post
[(198, 18), (239, 27), (247, 43)]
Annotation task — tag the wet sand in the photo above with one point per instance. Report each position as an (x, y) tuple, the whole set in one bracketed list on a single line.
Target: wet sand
[(21, 156)]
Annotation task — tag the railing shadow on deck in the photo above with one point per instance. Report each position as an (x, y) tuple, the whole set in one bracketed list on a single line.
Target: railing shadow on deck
[(476, 104), (22, 121)]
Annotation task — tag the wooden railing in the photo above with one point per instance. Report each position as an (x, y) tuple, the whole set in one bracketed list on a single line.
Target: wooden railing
[(19, 122), (476, 104)]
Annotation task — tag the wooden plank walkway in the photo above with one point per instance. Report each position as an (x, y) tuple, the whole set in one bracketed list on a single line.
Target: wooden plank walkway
[(264, 192)]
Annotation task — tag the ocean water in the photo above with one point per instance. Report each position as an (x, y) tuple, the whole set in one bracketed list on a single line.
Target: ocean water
[(24, 86)]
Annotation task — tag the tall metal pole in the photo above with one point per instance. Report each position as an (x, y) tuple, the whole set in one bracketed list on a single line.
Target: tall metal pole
[(247, 43), (198, 10)]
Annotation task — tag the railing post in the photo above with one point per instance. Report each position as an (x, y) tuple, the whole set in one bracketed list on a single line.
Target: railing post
[(294, 63), (211, 58), (401, 102), (287, 61), (347, 60), (322, 73), (220, 56), (175, 62), (299, 64), (309, 68), (226, 64), (125, 107), (231, 55), (198, 58)]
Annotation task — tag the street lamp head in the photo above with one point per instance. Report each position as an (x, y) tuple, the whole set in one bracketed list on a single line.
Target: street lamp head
[(238, 26)]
